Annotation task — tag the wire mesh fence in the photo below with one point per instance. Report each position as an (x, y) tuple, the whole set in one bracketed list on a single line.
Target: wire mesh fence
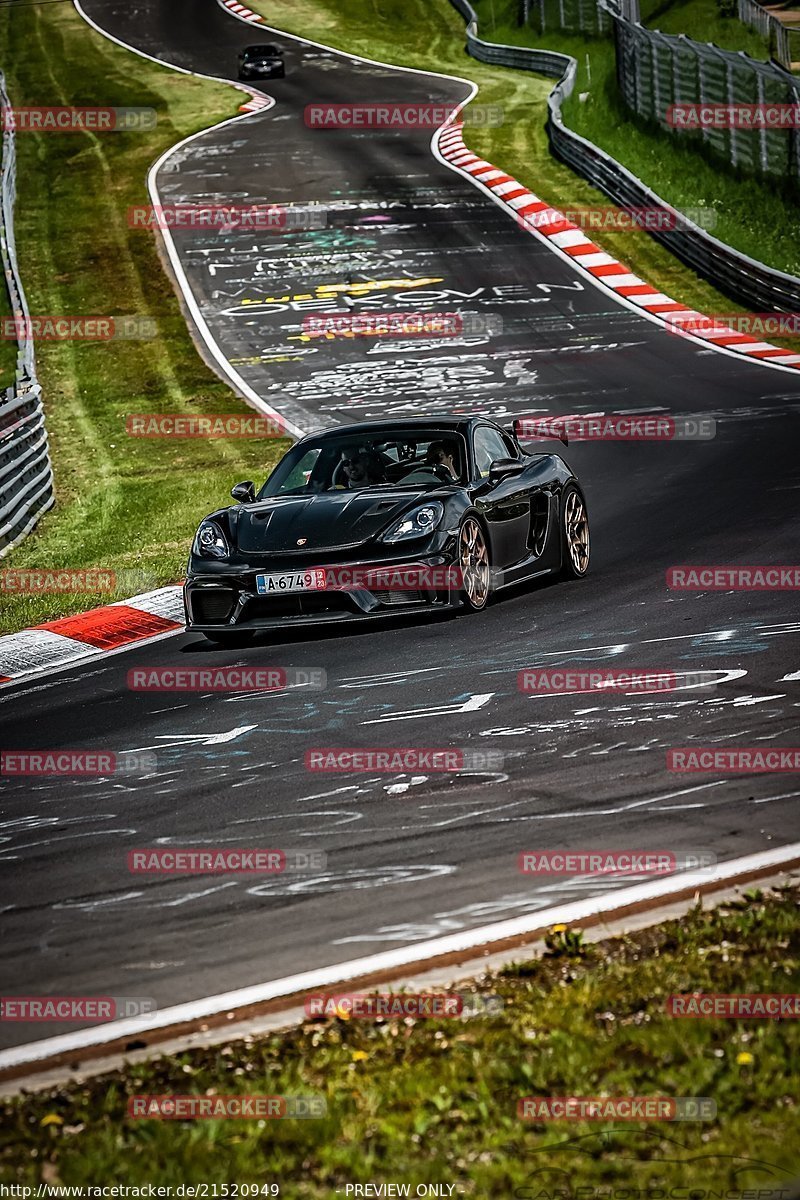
[(744, 279), (658, 71), (26, 475)]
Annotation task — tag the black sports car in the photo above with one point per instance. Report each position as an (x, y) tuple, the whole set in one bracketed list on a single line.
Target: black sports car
[(387, 517), (262, 62)]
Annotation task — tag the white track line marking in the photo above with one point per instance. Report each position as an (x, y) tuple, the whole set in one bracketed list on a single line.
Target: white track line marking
[(227, 370), (388, 960)]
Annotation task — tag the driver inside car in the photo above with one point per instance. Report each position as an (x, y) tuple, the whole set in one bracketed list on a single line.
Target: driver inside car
[(362, 468), (442, 454)]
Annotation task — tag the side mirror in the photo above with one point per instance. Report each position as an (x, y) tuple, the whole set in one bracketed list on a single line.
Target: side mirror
[(244, 493), (503, 468)]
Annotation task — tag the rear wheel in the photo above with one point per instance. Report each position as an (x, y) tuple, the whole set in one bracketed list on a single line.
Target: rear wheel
[(473, 562), (574, 534)]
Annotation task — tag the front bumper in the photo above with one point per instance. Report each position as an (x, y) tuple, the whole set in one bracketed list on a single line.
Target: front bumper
[(229, 599), (276, 72)]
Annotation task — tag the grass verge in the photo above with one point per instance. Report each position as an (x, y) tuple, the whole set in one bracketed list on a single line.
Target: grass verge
[(750, 214), (704, 21), (757, 216), (435, 1101), (122, 503)]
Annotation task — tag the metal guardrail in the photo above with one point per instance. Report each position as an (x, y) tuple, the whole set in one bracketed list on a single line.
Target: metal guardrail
[(753, 283), (781, 39), (26, 473)]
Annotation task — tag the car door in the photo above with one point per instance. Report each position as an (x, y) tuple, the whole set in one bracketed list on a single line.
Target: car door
[(505, 506)]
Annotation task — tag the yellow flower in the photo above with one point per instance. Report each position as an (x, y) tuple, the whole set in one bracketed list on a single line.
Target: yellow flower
[(558, 928), (360, 1055), (744, 1059), (52, 1119)]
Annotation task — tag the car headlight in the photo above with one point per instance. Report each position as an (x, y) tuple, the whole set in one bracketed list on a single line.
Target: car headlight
[(416, 523), (210, 541)]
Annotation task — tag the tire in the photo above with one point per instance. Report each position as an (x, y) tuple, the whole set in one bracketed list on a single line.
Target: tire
[(575, 542), (474, 564), (229, 637)]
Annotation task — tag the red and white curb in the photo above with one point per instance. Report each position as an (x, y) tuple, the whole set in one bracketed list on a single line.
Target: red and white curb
[(257, 103), (244, 14), (553, 227), (100, 631)]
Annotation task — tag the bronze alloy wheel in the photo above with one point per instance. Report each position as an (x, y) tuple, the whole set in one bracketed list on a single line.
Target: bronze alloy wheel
[(473, 559), (576, 534)]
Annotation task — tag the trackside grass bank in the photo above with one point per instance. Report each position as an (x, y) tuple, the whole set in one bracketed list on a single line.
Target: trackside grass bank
[(751, 215), (417, 1101), (756, 216), (705, 21), (123, 503)]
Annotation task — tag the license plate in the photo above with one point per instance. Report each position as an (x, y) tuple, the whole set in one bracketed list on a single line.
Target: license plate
[(290, 581)]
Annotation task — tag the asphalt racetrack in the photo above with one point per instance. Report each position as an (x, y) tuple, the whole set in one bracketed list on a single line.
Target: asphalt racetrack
[(410, 856)]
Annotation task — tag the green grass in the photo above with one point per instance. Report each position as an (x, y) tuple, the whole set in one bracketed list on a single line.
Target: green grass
[(751, 215), (756, 216), (703, 21), (122, 503), (435, 1100)]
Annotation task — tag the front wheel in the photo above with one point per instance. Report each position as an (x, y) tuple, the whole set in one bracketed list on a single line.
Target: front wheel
[(473, 562), (574, 534)]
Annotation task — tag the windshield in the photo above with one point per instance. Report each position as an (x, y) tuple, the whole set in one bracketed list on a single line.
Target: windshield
[(416, 458), (262, 52)]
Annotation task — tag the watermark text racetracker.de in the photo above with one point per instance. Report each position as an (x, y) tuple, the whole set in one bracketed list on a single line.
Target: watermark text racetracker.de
[(709, 577), (715, 115), (75, 1009), (77, 328), (400, 324), (243, 1107), (392, 759), (76, 762), (172, 425), (626, 219), (734, 760), (737, 325), (614, 862), (227, 218), (225, 679), (376, 1006), (739, 1006), (64, 581), (223, 860), (617, 427), (549, 681), (545, 1109), (393, 115), (65, 119)]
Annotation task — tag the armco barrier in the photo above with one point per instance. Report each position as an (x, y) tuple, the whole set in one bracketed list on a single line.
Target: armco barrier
[(26, 475), (761, 288)]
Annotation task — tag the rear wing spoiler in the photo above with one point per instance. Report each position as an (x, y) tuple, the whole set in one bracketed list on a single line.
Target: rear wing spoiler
[(551, 430)]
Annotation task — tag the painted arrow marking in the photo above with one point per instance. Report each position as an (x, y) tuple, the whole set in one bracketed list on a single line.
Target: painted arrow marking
[(196, 739), (443, 710)]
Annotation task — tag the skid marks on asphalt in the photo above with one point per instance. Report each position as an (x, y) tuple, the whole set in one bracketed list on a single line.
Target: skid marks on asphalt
[(511, 904)]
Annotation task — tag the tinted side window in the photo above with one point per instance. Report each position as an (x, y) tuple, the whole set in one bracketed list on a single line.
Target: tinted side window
[(489, 446)]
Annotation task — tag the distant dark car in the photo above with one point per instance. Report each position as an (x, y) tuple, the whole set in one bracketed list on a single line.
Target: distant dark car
[(262, 62), (452, 508)]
